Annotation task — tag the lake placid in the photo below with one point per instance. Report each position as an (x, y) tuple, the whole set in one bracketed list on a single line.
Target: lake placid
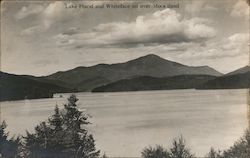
[(124, 123)]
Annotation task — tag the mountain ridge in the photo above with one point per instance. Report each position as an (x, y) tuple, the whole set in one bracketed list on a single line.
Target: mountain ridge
[(149, 65), (237, 79), (149, 72), (240, 70), (144, 83)]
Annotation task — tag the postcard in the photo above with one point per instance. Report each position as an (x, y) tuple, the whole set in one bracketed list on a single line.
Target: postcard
[(124, 78)]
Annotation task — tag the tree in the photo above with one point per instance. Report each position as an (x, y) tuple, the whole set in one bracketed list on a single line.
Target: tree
[(179, 149), (8, 147), (240, 149), (78, 140), (214, 154), (155, 152), (62, 135), (104, 156)]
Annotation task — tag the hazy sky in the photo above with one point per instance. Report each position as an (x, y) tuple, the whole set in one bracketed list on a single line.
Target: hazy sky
[(40, 38)]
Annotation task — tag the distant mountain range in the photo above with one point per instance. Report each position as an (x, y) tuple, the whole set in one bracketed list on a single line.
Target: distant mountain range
[(87, 78), (149, 72)]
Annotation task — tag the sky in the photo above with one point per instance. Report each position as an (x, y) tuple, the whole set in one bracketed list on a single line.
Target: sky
[(42, 37)]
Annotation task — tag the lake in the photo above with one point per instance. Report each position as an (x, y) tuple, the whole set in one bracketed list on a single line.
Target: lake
[(126, 122)]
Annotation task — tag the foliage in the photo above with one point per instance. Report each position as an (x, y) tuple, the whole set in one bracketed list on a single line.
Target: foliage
[(62, 136), (155, 152), (214, 154), (177, 150), (8, 147), (240, 149), (104, 156)]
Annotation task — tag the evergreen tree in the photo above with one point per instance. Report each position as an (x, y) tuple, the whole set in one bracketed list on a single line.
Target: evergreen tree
[(78, 140), (179, 149), (157, 152), (214, 154), (8, 147), (240, 149), (104, 156), (57, 134), (62, 136)]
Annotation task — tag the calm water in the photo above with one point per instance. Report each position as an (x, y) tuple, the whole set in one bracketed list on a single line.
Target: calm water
[(124, 123)]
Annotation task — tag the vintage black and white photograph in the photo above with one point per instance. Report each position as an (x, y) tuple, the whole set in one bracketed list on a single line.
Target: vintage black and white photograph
[(124, 79)]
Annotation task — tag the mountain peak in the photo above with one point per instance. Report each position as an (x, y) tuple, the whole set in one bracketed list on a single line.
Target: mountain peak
[(152, 60), (151, 57)]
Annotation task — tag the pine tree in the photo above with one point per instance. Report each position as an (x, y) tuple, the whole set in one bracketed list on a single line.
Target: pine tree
[(155, 152), (57, 135), (8, 147), (214, 154), (179, 149), (63, 135), (79, 141)]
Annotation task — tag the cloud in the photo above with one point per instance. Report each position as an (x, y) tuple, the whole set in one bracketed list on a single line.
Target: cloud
[(240, 9), (166, 26), (198, 6), (26, 11), (63, 40), (33, 30), (54, 12), (197, 29), (49, 15), (232, 46), (237, 44), (71, 31)]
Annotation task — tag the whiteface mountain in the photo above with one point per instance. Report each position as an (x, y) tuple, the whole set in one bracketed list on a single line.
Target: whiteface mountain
[(88, 78), (149, 72)]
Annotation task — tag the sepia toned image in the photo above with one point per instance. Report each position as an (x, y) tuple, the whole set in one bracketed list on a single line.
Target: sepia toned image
[(124, 79)]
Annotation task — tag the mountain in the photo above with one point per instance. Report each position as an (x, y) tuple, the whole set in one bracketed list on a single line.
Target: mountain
[(240, 71), (152, 83), (87, 78), (233, 81), (17, 87)]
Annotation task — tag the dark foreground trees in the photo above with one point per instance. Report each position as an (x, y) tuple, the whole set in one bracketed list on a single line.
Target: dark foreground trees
[(9, 147), (177, 150), (155, 152), (63, 136), (240, 149)]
